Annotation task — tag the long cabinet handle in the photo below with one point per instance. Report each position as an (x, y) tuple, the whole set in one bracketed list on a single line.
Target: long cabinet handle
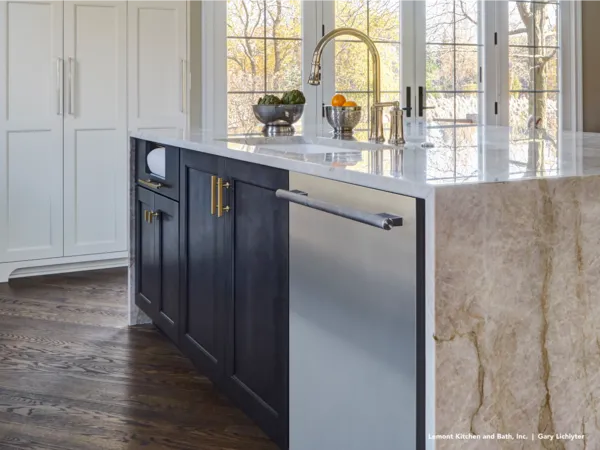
[(381, 220), (213, 193), (59, 86), (71, 86)]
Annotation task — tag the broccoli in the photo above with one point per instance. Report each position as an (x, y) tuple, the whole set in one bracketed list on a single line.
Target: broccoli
[(294, 97), (269, 100)]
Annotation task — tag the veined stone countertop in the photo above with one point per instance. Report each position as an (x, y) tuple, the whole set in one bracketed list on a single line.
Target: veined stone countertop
[(455, 155)]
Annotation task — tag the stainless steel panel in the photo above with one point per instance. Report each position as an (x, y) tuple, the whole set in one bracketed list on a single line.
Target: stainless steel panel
[(352, 322)]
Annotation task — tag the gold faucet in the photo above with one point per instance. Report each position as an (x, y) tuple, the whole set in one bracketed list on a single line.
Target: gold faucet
[(376, 133)]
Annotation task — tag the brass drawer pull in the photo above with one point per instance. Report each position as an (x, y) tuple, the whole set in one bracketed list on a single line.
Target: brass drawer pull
[(151, 184), (213, 187), (220, 207)]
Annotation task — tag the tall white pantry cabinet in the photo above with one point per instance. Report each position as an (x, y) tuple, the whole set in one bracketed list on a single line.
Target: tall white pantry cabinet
[(75, 78)]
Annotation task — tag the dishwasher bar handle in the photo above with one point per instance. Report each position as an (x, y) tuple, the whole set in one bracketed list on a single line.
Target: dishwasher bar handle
[(382, 220)]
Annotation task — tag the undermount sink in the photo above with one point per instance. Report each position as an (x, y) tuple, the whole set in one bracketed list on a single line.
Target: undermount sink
[(305, 145)]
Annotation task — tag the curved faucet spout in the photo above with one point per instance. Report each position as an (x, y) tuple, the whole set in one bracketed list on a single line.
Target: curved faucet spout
[(376, 132), (315, 73)]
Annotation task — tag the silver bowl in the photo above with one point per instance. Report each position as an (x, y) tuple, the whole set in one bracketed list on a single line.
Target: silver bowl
[(278, 119), (343, 119)]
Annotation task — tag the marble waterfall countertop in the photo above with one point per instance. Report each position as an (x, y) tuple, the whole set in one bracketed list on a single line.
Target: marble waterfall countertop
[(454, 156)]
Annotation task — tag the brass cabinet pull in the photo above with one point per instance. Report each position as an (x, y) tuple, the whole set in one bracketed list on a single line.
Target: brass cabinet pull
[(220, 207), (149, 215), (213, 187), (151, 184), (153, 214)]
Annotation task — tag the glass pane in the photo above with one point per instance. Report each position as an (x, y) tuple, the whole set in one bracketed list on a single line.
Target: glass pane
[(517, 33), (467, 162), (284, 18), (240, 118), (546, 21), (467, 68), (440, 67), (352, 13), (390, 66), (521, 118), (351, 66), (245, 18), (467, 108), (245, 64), (384, 20), (546, 71), (440, 21), (442, 107), (546, 110), (467, 12), (284, 68), (520, 69), (467, 137)]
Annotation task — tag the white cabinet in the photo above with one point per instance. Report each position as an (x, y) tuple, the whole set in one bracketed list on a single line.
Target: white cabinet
[(95, 127), (158, 81), (31, 128), (75, 78)]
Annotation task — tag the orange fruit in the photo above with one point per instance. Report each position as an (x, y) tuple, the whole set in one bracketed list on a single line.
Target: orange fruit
[(349, 103), (338, 100)]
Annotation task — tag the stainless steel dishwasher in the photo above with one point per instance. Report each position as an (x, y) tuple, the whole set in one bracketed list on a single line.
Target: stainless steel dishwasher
[(356, 377)]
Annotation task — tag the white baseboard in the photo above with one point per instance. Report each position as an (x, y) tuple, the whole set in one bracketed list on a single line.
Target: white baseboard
[(68, 264)]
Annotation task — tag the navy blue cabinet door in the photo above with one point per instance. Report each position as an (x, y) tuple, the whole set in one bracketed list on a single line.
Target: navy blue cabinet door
[(202, 311), (256, 241), (157, 260), (147, 262)]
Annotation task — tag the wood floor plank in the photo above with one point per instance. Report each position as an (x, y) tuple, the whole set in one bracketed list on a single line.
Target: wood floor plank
[(74, 376)]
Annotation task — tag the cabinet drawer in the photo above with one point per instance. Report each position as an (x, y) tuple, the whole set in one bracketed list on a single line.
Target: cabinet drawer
[(165, 163)]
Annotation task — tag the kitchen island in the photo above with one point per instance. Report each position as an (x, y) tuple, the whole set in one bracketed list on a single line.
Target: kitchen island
[(466, 309)]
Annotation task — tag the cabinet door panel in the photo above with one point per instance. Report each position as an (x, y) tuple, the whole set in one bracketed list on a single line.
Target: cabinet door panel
[(257, 342), (31, 128), (95, 145), (157, 52), (167, 245), (202, 324), (147, 262)]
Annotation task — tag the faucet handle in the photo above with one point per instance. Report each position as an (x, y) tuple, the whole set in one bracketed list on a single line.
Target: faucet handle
[(396, 126)]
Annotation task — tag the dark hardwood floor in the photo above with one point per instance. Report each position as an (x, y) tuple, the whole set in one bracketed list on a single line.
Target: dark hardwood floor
[(74, 376)]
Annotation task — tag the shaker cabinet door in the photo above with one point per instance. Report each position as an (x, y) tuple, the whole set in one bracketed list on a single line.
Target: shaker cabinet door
[(257, 296), (147, 261), (202, 311)]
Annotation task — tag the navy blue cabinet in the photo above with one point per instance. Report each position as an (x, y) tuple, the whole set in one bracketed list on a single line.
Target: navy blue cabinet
[(212, 273), (157, 260)]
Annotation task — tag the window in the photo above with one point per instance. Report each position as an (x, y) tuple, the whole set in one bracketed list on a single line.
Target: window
[(477, 62), (264, 54)]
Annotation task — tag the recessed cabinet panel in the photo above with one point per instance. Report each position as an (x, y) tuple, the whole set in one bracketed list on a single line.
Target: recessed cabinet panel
[(166, 222), (95, 143), (31, 157), (158, 84), (260, 283), (30, 84)]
